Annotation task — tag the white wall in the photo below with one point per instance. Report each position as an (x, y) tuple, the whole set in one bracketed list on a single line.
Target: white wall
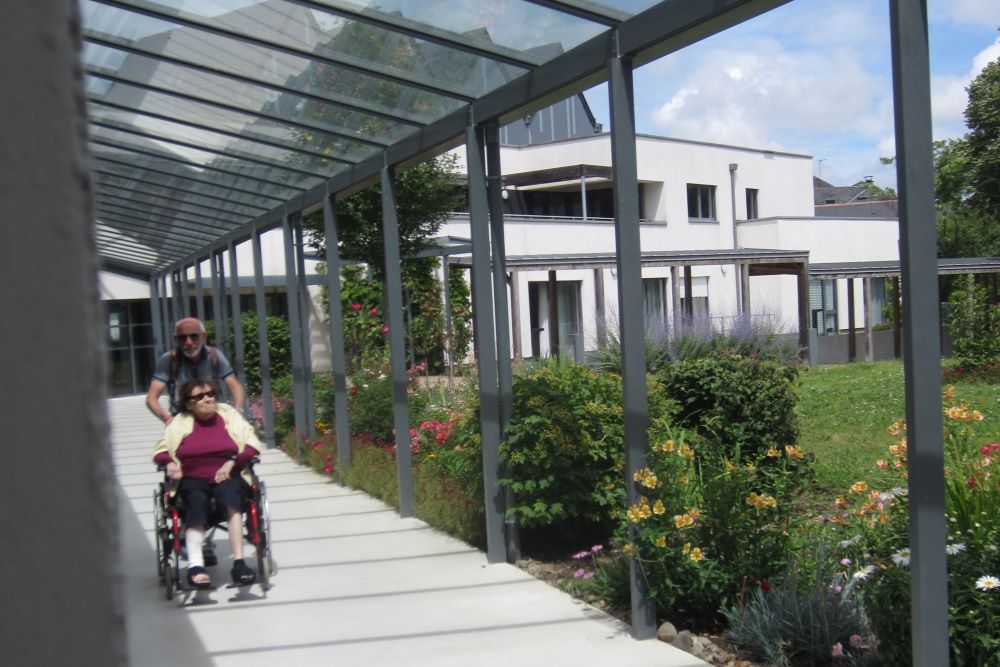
[(827, 240)]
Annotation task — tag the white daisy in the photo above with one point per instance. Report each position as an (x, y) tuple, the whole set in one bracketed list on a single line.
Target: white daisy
[(902, 557), (864, 572), (956, 548), (987, 582)]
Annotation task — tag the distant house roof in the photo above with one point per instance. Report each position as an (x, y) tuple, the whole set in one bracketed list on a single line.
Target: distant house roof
[(839, 194), (886, 208)]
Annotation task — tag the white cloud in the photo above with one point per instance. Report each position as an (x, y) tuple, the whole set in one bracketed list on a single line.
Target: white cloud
[(973, 11), (770, 95)]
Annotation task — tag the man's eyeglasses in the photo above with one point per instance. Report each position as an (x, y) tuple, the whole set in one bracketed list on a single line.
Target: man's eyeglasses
[(184, 336), (204, 394)]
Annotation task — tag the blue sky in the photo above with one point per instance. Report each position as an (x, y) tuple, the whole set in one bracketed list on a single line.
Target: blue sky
[(813, 77)]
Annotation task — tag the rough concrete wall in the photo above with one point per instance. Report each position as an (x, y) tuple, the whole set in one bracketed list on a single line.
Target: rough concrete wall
[(60, 602)]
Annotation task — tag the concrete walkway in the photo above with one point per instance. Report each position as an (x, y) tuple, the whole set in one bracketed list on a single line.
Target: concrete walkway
[(356, 585)]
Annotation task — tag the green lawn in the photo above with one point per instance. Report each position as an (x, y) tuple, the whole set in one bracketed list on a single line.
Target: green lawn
[(846, 409)]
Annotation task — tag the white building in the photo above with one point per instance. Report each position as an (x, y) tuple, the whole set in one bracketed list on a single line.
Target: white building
[(696, 198)]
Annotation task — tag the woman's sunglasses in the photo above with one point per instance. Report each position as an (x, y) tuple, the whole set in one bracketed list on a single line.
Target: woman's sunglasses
[(204, 394)]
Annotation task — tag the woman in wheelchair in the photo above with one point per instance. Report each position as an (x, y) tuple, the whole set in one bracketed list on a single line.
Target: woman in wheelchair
[(206, 449)]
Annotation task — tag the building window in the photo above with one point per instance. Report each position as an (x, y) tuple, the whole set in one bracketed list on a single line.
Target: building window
[(823, 306), (654, 301), (752, 212), (701, 202)]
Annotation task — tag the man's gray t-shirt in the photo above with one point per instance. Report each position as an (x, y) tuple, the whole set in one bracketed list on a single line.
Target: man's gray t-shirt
[(188, 370)]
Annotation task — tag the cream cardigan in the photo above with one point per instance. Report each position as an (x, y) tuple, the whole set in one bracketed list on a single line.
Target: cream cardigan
[(182, 425)]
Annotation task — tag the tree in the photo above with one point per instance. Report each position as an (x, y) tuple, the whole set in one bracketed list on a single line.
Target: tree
[(982, 115)]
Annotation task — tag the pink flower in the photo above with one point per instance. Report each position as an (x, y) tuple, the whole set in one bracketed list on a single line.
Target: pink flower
[(579, 574), (985, 451), (596, 548), (837, 650), (355, 306), (856, 641), (384, 329), (373, 312), (327, 469), (765, 586)]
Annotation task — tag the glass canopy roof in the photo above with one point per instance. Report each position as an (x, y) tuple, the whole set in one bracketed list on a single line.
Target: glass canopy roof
[(206, 115)]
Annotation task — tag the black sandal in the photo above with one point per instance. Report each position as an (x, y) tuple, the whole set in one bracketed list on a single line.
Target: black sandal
[(194, 572), (242, 575)]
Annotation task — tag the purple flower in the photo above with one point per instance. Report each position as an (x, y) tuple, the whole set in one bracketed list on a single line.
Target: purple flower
[(579, 574), (596, 548), (581, 554)]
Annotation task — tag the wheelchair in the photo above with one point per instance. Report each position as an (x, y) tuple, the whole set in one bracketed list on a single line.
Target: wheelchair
[(169, 518)]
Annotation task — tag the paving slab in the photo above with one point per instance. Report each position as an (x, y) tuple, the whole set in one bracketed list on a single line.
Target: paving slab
[(355, 585)]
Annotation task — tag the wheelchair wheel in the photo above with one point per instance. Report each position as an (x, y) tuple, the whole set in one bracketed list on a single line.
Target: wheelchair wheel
[(158, 530), (261, 536)]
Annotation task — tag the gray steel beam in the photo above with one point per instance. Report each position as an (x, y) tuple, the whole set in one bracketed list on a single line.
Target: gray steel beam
[(512, 538), (397, 347), (185, 176), (295, 334), (289, 147), (229, 154), (184, 195), (631, 319), (352, 106), (291, 122), (117, 192), (173, 159), (337, 356), (585, 10), (921, 322), (263, 349), (485, 345), (108, 204)]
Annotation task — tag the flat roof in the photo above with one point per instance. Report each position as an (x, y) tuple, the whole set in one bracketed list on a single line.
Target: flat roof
[(782, 260), (890, 268)]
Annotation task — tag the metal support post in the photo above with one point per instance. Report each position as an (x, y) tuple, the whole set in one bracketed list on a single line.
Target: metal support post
[(338, 357), (397, 346), (263, 349), (294, 334), (238, 357), (500, 306), (199, 291), (154, 303), (305, 309), (628, 253), (215, 281), (485, 343), (185, 294), (921, 327)]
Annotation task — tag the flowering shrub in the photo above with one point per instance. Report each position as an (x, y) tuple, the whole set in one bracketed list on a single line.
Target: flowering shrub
[(738, 401), (704, 529), (877, 544), (565, 445)]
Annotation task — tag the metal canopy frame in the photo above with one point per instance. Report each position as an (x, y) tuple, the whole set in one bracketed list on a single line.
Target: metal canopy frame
[(361, 115)]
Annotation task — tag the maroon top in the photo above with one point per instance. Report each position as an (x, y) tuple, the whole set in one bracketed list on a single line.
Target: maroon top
[(206, 449)]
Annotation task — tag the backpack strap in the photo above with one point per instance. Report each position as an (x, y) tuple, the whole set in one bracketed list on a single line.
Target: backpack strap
[(175, 366)]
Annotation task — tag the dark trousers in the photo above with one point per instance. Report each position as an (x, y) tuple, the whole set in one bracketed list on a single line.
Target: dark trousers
[(197, 496)]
